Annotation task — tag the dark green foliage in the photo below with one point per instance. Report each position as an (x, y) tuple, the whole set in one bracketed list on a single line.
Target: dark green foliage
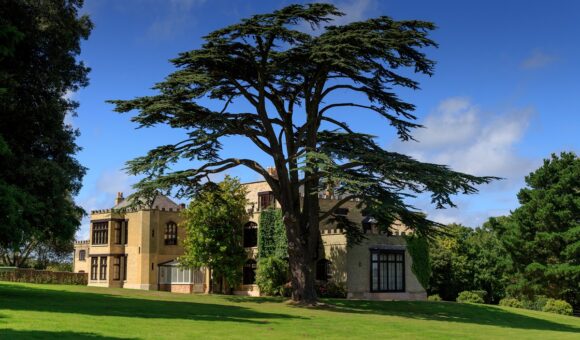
[(331, 289), (272, 235), (213, 222), (542, 236), (469, 297), (272, 275), (418, 248), (39, 46), (292, 85), (558, 307), (535, 303), (471, 259), (44, 276)]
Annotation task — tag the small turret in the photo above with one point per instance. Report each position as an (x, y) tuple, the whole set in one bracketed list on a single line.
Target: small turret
[(119, 198)]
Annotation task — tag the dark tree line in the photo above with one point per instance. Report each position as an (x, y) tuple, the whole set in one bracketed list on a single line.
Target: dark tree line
[(39, 47)]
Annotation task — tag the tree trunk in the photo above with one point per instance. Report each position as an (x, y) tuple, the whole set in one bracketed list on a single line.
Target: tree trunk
[(301, 260)]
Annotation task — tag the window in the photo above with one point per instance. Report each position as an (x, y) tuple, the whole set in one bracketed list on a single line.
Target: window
[(126, 224), (117, 238), (265, 200), (341, 211), (103, 269), (100, 232), (170, 233), (323, 270), (94, 267), (250, 235), (249, 275), (387, 271), (116, 268), (82, 255), (125, 268)]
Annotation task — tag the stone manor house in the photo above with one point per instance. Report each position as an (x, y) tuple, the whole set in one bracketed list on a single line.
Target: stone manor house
[(140, 249)]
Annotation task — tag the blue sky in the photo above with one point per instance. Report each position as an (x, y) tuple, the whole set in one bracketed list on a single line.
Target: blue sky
[(504, 95)]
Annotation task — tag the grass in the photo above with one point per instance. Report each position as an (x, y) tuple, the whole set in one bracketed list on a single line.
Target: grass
[(77, 312)]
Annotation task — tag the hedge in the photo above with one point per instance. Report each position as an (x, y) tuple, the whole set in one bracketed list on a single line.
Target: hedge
[(43, 276)]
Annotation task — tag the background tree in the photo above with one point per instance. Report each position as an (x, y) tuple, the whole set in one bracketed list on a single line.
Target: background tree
[(214, 227), (469, 259), (39, 46), (292, 85), (542, 236)]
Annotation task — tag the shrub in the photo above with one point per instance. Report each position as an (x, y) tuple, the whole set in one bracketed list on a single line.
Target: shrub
[(435, 297), (511, 302), (331, 289), (43, 276), (558, 307), (469, 297), (272, 275), (537, 303)]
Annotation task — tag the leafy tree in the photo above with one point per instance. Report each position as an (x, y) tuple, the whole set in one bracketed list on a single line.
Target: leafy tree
[(213, 222), (468, 259), (39, 46), (542, 236), (291, 85)]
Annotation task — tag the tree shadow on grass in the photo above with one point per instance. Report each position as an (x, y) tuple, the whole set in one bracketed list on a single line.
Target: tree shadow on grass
[(30, 298), (21, 334), (255, 299), (449, 312)]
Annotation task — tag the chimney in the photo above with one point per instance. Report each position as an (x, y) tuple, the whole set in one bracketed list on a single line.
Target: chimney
[(119, 198), (272, 171), (182, 205)]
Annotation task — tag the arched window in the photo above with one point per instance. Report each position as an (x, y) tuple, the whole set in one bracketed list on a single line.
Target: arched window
[(82, 255), (249, 272), (250, 235), (323, 270), (170, 234)]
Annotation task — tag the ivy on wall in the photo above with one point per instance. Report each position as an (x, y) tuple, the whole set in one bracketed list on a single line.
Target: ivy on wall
[(419, 250), (272, 235)]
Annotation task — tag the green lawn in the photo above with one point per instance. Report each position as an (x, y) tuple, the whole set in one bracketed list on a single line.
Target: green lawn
[(53, 311)]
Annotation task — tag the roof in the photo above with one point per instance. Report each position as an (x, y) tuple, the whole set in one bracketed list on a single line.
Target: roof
[(160, 202)]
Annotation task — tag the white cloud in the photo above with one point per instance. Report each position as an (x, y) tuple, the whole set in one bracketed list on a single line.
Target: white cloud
[(537, 59), (176, 15), (460, 134), (113, 181), (354, 10), (464, 137)]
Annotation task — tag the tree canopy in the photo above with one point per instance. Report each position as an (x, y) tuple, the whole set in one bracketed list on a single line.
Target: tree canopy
[(213, 224), (295, 82), (542, 236), (39, 46)]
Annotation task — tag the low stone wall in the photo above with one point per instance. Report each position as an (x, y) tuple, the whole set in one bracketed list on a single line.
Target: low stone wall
[(43, 276), (177, 288)]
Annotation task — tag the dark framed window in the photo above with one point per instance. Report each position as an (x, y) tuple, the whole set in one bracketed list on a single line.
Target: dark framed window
[(94, 267), (116, 268), (125, 268), (249, 275), (341, 211), (100, 232), (265, 200), (171, 234), (126, 227), (103, 268), (250, 235), (82, 255), (387, 270), (117, 234), (323, 270)]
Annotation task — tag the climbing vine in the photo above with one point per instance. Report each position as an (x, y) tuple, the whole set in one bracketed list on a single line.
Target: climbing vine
[(419, 250), (272, 235)]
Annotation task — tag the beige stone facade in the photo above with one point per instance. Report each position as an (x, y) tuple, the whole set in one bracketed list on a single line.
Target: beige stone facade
[(142, 255)]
